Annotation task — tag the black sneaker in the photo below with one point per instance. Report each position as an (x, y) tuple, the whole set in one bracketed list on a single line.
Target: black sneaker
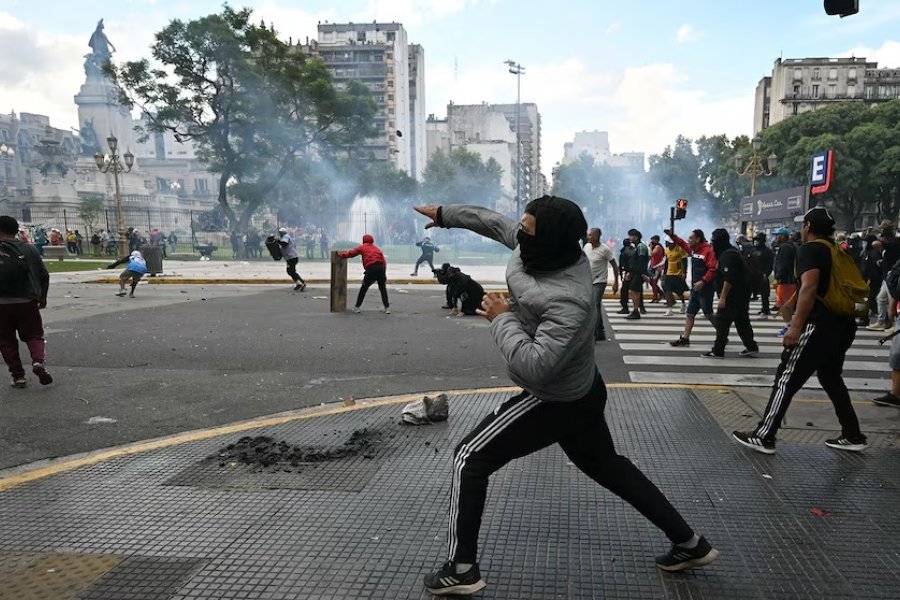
[(624, 311), (712, 354), (681, 341), (754, 442), (887, 400), (633, 315), (849, 444), (680, 559), (447, 581), (19, 383), (748, 353), (41, 371)]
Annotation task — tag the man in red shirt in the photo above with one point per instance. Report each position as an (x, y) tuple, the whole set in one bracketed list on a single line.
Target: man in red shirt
[(375, 270), (703, 271)]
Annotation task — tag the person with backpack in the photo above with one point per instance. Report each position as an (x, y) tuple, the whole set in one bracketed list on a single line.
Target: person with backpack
[(24, 282), (890, 253), (635, 284), (734, 279), (821, 331)]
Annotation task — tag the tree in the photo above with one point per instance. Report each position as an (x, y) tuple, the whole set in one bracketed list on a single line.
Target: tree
[(89, 209), (461, 176), (866, 142), (590, 185), (253, 106)]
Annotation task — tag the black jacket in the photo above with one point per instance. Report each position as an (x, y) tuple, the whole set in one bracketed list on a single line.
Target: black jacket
[(37, 284), (785, 262), (764, 259)]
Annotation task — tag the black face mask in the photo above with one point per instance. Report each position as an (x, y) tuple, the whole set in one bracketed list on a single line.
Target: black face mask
[(559, 227)]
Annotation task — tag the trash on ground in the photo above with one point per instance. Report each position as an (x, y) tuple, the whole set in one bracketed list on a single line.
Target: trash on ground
[(426, 411)]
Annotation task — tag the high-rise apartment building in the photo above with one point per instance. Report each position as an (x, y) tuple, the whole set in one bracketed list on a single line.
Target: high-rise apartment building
[(800, 85), (378, 55), (530, 136)]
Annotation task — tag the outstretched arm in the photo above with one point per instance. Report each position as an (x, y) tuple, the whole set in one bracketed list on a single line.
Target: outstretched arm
[(481, 220)]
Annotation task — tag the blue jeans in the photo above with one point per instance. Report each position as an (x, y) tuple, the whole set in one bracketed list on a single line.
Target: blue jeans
[(599, 331)]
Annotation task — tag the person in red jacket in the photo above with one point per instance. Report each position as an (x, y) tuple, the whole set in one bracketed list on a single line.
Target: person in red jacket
[(703, 271), (375, 270)]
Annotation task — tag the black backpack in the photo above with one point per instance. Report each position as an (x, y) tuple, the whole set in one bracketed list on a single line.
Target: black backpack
[(13, 269), (892, 279)]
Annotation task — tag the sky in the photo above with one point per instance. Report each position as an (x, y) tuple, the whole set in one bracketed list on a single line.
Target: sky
[(643, 70)]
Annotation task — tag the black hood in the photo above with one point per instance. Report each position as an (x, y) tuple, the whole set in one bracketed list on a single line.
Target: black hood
[(720, 241), (559, 227)]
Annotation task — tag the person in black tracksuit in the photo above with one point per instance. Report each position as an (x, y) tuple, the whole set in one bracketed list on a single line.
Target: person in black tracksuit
[(734, 298), (816, 342), (428, 250), (764, 259)]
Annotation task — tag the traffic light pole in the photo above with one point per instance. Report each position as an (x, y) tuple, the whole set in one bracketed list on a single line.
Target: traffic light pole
[(672, 219)]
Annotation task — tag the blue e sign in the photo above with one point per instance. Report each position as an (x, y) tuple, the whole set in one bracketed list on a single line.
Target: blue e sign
[(820, 171)]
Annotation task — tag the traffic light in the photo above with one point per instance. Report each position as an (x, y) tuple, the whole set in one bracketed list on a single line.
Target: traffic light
[(844, 8), (680, 208)]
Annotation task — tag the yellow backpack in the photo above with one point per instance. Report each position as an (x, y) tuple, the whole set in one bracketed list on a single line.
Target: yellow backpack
[(847, 294)]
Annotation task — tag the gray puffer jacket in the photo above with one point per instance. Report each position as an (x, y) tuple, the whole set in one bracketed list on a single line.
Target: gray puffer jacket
[(547, 339)]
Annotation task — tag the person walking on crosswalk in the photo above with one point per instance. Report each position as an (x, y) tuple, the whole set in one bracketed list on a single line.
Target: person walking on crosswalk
[(703, 270), (674, 283), (733, 285), (817, 341), (600, 257), (637, 274)]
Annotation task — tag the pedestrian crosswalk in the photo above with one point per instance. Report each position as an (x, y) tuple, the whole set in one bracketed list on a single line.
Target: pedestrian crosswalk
[(650, 359)]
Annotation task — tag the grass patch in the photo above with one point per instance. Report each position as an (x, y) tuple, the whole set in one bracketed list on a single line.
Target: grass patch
[(73, 264)]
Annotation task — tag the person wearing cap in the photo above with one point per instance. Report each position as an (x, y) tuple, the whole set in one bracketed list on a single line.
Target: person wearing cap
[(549, 352), (428, 250), (291, 256), (783, 272), (23, 293), (817, 341), (375, 271), (764, 260)]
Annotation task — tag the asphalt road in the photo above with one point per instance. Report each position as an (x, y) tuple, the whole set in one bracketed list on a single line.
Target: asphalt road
[(178, 358)]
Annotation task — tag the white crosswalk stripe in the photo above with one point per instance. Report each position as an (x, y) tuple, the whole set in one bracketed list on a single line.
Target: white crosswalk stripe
[(651, 359)]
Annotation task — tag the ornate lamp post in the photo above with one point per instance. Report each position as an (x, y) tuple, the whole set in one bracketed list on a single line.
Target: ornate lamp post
[(517, 70), (758, 166), (111, 163)]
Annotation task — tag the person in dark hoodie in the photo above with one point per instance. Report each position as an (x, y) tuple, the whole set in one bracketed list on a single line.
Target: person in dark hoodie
[(375, 267), (764, 259), (734, 297), (428, 250), (23, 293), (549, 351)]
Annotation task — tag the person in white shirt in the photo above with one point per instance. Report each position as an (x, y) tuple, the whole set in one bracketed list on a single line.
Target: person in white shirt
[(600, 257)]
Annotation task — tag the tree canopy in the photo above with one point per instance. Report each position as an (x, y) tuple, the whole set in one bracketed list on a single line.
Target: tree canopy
[(461, 176), (254, 107)]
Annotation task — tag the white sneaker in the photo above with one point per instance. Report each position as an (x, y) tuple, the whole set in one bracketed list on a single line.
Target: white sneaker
[(387, 310), (683, 308), (669, 313), (356, 309), (876, 327)]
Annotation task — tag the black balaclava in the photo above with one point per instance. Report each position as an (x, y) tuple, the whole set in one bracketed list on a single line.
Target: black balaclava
[(558, 226), (721, 241)]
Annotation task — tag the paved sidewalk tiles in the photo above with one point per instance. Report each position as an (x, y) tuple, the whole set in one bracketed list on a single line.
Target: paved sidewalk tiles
[(809, 522)]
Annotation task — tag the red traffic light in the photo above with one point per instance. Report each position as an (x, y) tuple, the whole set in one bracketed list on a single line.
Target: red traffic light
[(681, 204)]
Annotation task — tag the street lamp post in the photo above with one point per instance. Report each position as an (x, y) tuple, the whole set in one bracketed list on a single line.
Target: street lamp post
[(111, 163), (517, 70), (757, 167)]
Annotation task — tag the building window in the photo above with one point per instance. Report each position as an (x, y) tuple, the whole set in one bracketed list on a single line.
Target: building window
[(832, 73), (390, 36), (798, 75), (815, 90), (390, 97), (831, 92), (851, 91), (851, 74), (360, 36), (815, 74), (201, 185), (796, 91), (26, 214)]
